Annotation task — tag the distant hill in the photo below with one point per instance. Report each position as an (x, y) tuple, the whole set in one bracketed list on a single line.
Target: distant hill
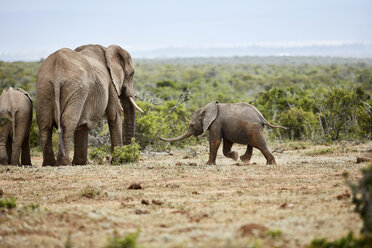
[(257, 60), (358, 50), (324, 53)]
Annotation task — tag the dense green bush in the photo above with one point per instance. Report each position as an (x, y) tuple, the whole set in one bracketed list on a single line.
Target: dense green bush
[(301, 124), (320, 99), (126, 153), (338, 110), (162, 120)]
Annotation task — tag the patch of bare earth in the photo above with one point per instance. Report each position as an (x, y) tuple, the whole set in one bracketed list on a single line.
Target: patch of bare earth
[(181, 202)]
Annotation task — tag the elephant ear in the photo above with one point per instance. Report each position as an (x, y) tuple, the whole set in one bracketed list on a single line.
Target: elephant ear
[(116, 59), (209, 112)]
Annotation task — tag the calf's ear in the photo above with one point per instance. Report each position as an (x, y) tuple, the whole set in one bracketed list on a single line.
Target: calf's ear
[(209, 112)]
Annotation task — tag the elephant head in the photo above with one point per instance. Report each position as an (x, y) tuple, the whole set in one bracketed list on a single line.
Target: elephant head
[(121, 68), (200, 122)]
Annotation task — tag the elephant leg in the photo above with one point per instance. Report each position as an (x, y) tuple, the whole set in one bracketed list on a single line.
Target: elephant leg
[(246, 157), (214, 143), (257, 140), (8, 151), (18, 143), (67, 136), (47, 146), (227, 150), (16, 152), (80, 147), (25, 156), (5, 144), (4, 151), (269, 156)]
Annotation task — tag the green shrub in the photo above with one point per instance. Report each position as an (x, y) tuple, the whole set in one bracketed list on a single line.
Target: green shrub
[(349, 241), (300, 124), (168, 119), (365, 119), (32, 206), (8, 203), (128, 241), (98, 154), (273, 233), (338, 110), (362, 198), (126, 154)]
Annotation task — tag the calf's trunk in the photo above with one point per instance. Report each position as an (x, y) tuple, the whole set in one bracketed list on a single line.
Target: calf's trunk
[(184, 136)]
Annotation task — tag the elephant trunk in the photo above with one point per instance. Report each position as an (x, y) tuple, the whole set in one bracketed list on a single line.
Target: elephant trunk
[(129, 120), (184, 136)]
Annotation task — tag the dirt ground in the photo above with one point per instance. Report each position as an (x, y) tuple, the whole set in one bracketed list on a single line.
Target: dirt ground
[(185, 203)]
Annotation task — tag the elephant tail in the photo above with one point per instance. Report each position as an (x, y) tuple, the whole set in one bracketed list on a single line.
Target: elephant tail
[(264, 120), (271, 125), (57, 107), (13, 110)]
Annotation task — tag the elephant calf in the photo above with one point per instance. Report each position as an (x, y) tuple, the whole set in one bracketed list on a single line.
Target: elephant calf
[(16, 106), (238, 123)]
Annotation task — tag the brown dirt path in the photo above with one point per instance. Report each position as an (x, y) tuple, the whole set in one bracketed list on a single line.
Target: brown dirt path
[(227, 205)]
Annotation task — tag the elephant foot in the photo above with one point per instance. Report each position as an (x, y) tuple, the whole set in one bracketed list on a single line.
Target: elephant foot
[(211, 163), (79, 162), (245, 159), (4, 161), (233, 155), (63, 161), (16, 163), (49, 162), (271, 162)]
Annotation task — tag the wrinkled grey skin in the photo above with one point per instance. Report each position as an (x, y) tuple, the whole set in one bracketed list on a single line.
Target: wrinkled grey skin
[(238, 123), (16, 119), (75, 88)]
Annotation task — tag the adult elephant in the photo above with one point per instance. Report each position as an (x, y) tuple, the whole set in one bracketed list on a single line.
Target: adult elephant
[(75, 88)]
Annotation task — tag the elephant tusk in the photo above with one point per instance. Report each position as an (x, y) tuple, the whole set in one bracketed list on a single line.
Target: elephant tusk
[(135, 105)]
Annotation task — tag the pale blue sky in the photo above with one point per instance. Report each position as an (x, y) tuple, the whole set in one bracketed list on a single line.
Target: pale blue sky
[(41, 26)]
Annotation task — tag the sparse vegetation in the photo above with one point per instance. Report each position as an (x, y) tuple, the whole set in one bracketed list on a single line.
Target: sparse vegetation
[(128, 241), (90, 192), (273, 233), (32, 206), (8, 203)]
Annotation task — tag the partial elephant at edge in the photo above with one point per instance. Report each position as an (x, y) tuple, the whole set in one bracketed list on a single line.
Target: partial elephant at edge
[(16, 120)]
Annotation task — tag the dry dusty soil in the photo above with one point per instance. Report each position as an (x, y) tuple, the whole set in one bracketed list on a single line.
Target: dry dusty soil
[(184, 203)]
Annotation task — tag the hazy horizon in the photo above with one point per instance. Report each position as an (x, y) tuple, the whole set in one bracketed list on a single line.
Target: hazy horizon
[(33, 29)]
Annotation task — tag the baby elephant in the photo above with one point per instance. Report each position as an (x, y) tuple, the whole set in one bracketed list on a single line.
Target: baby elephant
[(238, 123), (16, 106)]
